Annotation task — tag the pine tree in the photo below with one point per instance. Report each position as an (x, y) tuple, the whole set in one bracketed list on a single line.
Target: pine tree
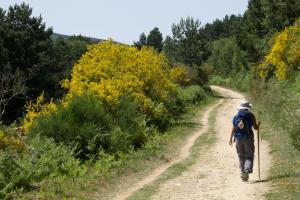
[(155, 39)]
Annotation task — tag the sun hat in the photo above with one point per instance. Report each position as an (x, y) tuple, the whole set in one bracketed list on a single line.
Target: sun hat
[(245, 105)]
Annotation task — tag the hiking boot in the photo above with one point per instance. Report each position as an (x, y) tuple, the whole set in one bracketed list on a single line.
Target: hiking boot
[(245, 175), (242, 175)]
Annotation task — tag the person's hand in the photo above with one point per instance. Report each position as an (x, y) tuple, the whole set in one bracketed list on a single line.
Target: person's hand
[(230, 141), (258, 123)]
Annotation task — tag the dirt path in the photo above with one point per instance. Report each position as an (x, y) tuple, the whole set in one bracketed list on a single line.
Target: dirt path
[(184, 153), (215, 174)]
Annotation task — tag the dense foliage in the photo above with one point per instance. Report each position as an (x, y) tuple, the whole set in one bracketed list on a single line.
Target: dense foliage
[(47, 160), (90, 125), (187, 45), (226, 57), (25, 47), (112, 70), (284, 56), (30, 61)]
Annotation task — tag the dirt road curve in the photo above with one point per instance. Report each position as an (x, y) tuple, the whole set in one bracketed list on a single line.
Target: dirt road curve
[(184, 153), (215, 174)]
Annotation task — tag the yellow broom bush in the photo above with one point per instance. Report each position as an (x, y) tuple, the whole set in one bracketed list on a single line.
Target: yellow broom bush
[(284, 56), (179, 75), (40, 108), (8, 139), (112, 70)]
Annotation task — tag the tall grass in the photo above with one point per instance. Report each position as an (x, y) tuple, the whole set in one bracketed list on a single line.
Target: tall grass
[(281, 101)]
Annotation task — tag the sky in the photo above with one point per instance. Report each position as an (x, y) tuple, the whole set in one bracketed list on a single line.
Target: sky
[(125, 20)]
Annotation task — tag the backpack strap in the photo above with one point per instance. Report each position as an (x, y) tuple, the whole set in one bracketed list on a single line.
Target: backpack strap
[(246, 127)]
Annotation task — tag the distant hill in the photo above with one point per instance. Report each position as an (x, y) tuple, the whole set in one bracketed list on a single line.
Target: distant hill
[(54, 36)]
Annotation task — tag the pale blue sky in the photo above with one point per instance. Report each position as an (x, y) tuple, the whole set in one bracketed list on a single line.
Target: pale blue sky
[(125, 20)]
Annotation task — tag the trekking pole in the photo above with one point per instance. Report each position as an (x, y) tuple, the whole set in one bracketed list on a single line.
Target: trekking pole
[(258, 153)]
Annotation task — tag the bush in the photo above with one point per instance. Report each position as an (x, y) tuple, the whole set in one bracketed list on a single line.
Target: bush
[(241, 81), (111, 70), (89, 125), (47, 160), (41, 108), (283, 58), (188, 96), (227, 57), (9, 139), (191, 94)]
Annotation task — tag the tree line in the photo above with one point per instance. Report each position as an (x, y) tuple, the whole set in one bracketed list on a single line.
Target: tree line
[(247, 36), (30, 61)]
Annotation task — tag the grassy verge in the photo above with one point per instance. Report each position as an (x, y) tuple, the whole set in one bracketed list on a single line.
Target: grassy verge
[(285, 170), (203, 142)]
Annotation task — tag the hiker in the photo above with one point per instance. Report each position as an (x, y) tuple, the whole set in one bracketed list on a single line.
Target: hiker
[(244, 138)]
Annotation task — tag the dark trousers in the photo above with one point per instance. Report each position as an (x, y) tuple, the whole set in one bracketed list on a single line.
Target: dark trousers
[(245, 150)]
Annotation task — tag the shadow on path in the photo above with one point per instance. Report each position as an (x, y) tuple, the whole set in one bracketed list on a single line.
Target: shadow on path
[(275, 178)]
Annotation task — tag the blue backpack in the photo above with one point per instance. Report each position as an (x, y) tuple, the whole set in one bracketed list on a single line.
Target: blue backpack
[(242, 123)]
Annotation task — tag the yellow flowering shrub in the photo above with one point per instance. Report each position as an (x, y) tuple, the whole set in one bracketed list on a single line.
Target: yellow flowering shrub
[(284, 55), (38, 109), (111, 70), (179, 75), (10, 141)]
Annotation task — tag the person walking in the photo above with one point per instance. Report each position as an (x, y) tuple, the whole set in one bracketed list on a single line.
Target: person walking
[(242, 131)]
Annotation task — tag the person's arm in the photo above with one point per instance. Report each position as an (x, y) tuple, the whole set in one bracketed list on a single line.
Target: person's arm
[(255, 123), (231, 135)]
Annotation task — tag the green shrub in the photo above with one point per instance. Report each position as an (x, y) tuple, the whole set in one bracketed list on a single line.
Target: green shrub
[(88, 125), (188, 96), (191, 94), (130, 122), (241, 81), (47, 160)]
